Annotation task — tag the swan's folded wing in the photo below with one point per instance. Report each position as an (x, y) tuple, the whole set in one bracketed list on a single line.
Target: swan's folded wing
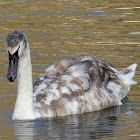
[(64, 94), (73, 82)]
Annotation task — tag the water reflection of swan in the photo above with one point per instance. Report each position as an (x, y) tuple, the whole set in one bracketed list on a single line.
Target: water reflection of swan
[(93, 125), (70, 86)]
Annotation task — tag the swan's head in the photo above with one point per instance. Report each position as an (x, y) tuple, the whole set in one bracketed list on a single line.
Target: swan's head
[(16, 44)]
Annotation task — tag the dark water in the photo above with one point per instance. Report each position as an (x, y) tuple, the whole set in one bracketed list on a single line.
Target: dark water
[(58, 29)]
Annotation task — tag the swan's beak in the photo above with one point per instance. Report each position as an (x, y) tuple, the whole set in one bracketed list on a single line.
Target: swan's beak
[(13, 66)]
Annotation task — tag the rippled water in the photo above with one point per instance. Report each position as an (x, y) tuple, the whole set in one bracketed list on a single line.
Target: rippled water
[(58, 29)]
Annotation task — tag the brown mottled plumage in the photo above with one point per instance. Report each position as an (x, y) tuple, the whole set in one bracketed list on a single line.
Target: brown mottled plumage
[(75, 86)]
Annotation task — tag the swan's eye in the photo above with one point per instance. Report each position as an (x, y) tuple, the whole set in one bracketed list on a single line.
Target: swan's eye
[(112, 75)]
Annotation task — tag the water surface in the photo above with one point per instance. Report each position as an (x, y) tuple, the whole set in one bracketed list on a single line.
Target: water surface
[(59, 29)]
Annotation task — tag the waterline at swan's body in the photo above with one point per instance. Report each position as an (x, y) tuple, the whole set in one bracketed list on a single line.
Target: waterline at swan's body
[(71, 86)]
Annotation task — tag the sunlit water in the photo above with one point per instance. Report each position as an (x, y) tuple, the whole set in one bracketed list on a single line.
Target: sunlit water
[(58, 29)]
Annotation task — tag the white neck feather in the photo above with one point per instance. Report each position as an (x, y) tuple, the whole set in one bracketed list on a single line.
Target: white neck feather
[(24, 103)]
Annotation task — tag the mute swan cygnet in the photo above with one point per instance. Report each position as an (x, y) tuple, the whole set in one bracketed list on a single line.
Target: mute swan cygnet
[(70, 86)]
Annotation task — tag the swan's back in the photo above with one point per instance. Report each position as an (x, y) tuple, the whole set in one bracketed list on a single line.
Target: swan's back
[(78, 85)]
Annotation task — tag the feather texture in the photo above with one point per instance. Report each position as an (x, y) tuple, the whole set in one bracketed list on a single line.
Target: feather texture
[(75, 86)]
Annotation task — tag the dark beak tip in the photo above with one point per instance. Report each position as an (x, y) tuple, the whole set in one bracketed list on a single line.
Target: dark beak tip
[(11, 79)]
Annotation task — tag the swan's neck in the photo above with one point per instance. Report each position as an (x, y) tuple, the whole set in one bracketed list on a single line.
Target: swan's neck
[(24, 104)]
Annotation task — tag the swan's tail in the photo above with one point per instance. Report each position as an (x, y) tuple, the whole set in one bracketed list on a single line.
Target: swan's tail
[(127, 75), (123, 80)]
